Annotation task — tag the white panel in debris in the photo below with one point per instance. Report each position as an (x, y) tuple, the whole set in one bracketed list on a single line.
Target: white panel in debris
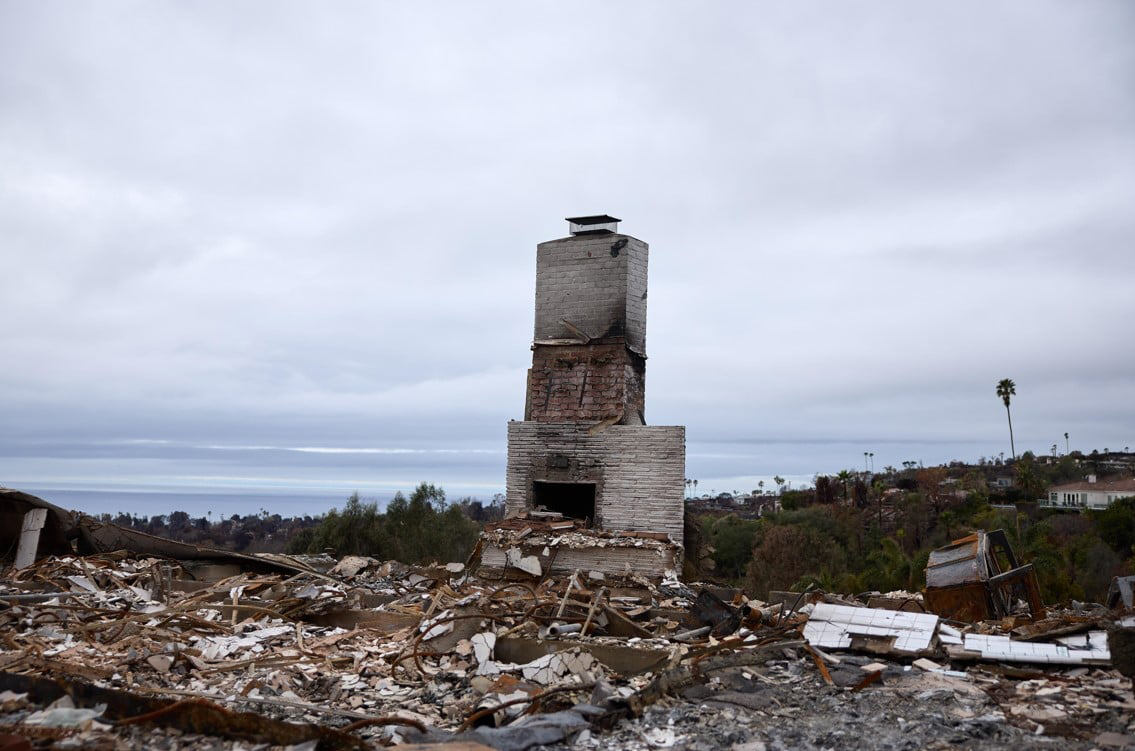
[(833, 626), (1091, 648), (1093, 641), (33, 524), (949, 634)]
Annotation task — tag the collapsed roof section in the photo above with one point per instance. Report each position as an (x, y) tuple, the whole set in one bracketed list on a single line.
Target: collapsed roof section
[(64, 532)]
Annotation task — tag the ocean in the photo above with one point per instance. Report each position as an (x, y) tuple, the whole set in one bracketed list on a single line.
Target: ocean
[(158, 477), (210, 505)]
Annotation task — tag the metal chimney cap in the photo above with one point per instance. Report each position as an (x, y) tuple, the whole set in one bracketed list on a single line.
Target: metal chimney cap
[(598, 224)]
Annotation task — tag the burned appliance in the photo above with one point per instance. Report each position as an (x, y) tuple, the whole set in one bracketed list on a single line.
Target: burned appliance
[(978, 578)]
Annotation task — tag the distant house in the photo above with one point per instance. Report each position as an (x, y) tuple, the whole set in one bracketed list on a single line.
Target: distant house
[(1089, 493)]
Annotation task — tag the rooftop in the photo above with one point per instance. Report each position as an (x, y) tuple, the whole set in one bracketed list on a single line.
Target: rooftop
[(1126, 485)]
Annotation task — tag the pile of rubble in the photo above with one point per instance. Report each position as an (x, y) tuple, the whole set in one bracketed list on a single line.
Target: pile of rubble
[(545, 543), (122, 650)]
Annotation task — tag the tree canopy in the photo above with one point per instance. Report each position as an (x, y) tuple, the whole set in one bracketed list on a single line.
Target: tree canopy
[(420, 529)]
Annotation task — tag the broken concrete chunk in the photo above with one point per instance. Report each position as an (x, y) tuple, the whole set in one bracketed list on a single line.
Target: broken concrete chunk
[(351, 565), (481, 684), (528, 564), (553, 668), (924, 664), (483, 646)]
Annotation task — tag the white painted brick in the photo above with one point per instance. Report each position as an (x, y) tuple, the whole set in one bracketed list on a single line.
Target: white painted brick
[(639, 470)]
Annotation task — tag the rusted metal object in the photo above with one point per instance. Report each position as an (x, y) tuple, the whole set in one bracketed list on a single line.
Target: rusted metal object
[(978, 578), (1121, 644), (711, 610)]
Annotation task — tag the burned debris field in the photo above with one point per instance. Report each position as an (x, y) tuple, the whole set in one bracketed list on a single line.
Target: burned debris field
[(128, 649)]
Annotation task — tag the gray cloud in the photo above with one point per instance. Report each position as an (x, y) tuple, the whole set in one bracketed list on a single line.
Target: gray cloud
[(273, 224)]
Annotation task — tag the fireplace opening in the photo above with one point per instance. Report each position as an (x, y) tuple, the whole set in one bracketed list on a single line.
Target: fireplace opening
[(575, 500)]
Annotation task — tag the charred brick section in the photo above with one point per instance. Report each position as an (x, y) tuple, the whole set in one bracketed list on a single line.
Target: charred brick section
[(638, 471), (604, 295), (582, 383)]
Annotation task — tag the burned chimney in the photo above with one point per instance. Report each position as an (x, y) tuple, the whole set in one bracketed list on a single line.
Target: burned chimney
[(584, 449)]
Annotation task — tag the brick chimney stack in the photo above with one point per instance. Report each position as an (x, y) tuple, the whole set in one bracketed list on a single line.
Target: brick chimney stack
[(583, 449)]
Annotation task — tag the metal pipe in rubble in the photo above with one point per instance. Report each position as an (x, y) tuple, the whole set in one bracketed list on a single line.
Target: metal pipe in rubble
[(692, 634), (559, 629)]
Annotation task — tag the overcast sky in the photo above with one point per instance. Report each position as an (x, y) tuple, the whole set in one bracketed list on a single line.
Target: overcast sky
[(232, 230)]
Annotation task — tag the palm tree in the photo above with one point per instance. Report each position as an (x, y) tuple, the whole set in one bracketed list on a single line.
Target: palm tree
[(1006, 389)]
